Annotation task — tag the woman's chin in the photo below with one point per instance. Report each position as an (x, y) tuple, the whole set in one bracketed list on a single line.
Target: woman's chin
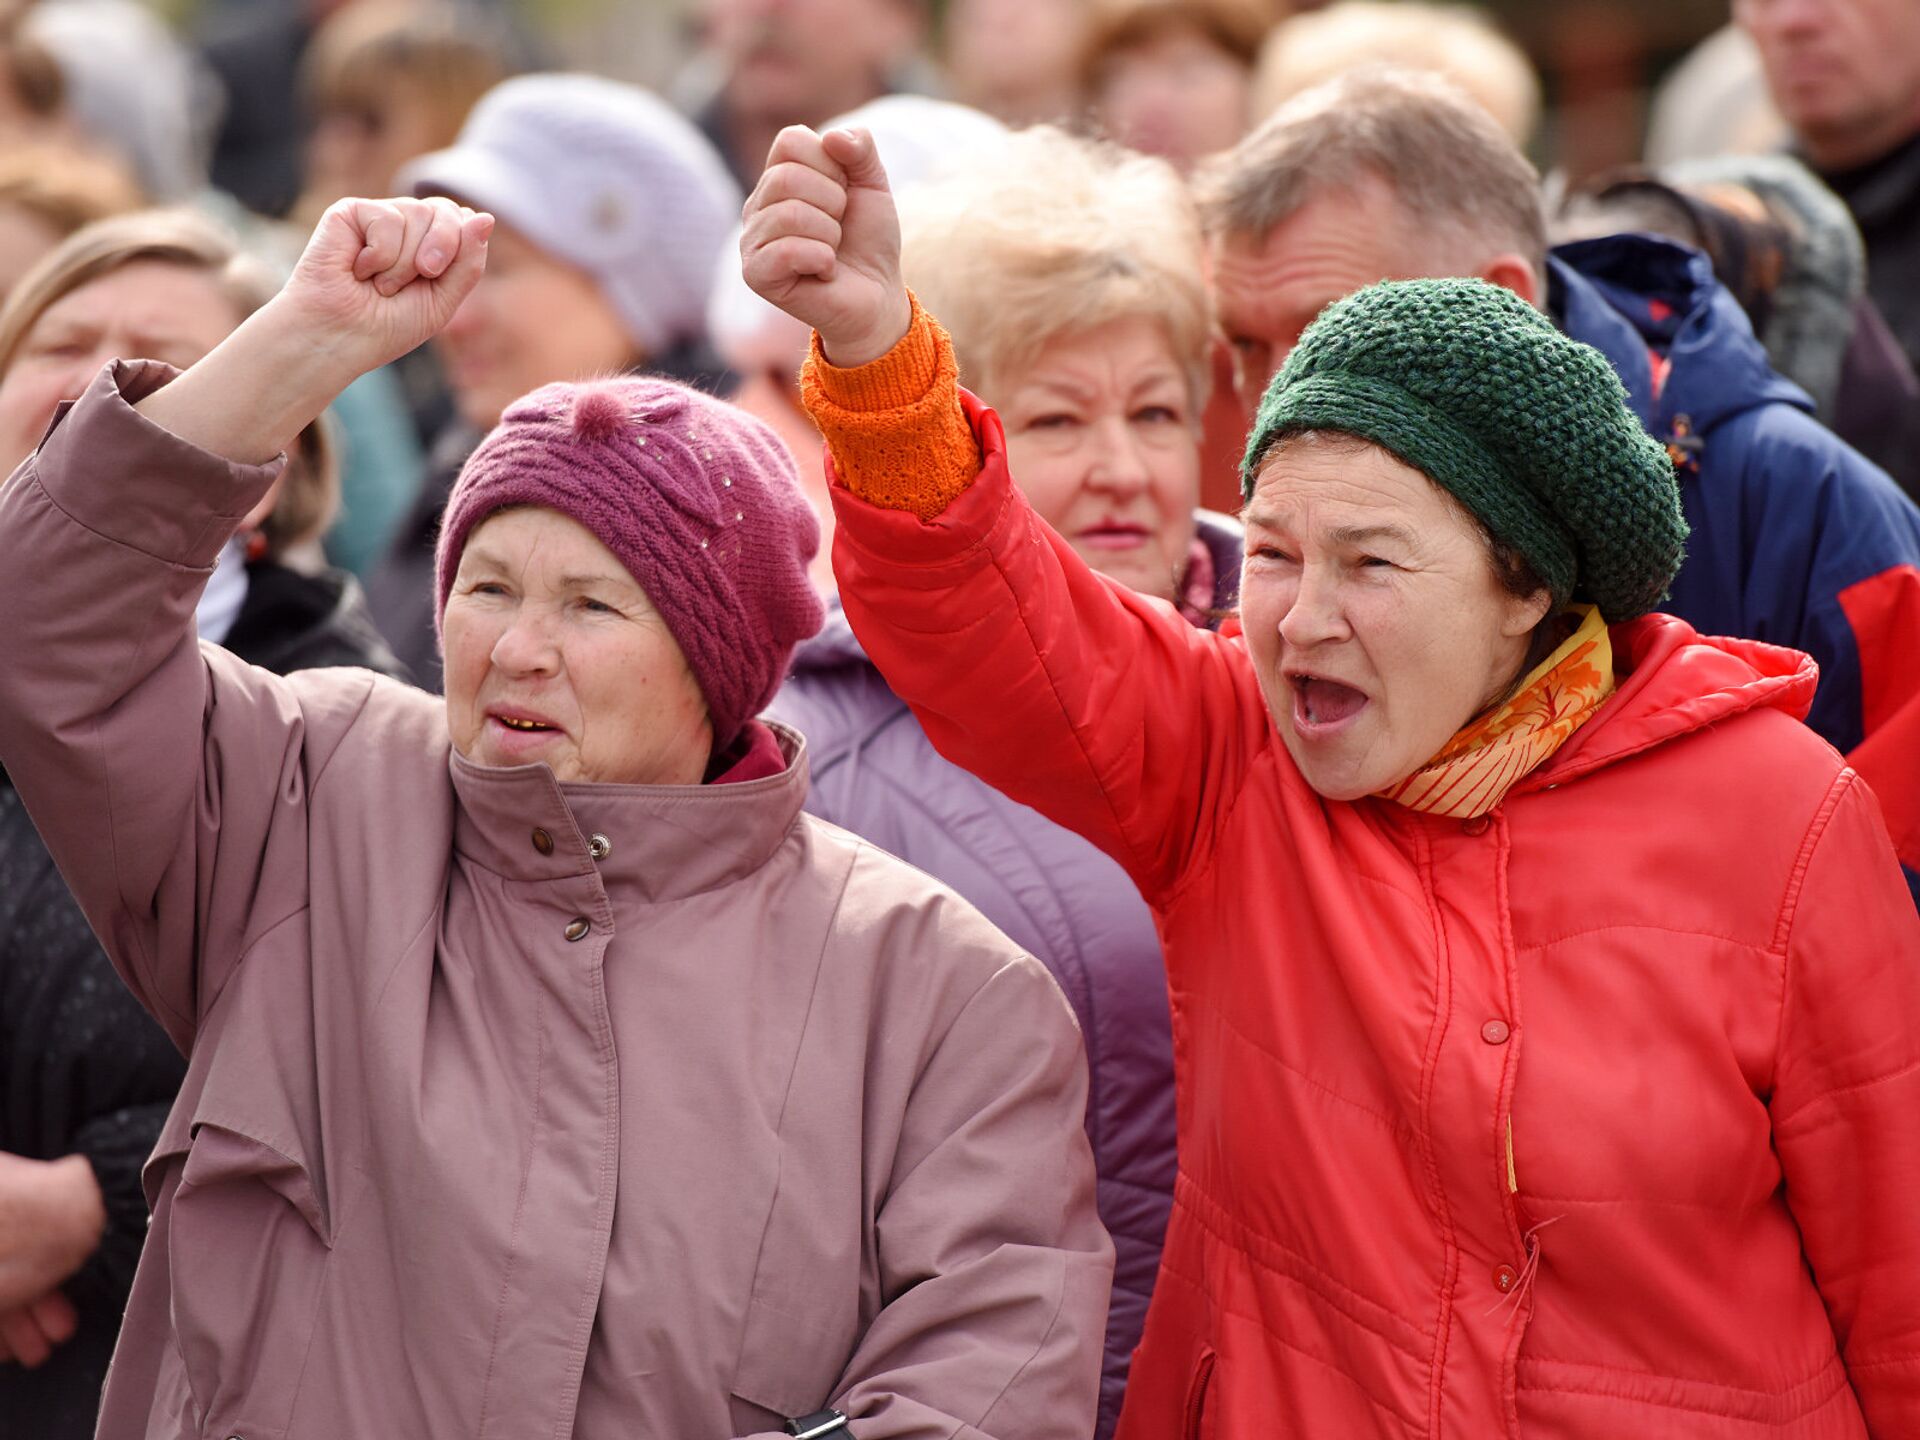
[(1344, 767)]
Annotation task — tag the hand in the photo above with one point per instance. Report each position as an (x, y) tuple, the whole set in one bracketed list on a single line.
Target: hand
[(820, 239), (380, 277), (29, 1334), (377, 278), (51, 1220)]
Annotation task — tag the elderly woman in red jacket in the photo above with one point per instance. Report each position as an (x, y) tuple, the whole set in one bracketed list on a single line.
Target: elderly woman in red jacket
[(1546, 997)]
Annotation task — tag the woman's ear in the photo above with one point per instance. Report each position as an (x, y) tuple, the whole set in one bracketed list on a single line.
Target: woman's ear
[(1525, 612)]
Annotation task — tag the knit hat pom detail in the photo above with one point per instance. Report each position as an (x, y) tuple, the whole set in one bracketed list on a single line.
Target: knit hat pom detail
[(599, 415)]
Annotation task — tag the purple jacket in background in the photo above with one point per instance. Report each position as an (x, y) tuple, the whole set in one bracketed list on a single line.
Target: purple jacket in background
[(1056, 896)]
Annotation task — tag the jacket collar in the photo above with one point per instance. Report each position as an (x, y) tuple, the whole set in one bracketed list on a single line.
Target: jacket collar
[(664, 842), (1881, 192), (1673, 681), (1634, 296)]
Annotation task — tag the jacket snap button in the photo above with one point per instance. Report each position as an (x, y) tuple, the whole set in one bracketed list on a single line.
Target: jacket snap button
[(543, 842), (578, 927), (1476, 826), (1505, 1277), (599, 847), (1495, 1032)]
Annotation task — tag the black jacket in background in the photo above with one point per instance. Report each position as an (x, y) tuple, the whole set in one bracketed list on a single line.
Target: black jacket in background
[(83, 1069)]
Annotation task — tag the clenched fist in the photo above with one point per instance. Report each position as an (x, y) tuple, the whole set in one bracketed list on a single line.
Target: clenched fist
[(821, 240), (377, 279), (380, 277)]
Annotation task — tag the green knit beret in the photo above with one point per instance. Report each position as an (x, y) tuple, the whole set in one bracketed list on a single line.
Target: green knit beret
[(1475, 388)]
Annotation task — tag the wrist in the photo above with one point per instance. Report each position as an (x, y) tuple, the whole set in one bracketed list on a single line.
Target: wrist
[(75, 1209), (249, 398), (849, 352)]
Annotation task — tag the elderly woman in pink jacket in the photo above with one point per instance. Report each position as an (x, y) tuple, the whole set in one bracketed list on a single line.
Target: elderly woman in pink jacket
[(550, 1072)]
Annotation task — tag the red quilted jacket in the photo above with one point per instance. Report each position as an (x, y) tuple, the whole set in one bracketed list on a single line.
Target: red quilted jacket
[(1596, 1117)]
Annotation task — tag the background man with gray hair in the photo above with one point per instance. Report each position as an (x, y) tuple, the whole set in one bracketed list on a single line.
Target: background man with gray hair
[(1796, 539)]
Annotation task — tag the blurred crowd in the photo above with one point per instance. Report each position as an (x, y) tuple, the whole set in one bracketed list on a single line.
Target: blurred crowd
[(1178, 186)]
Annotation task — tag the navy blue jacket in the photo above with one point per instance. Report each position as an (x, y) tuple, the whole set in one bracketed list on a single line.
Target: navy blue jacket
[(1797, 539)]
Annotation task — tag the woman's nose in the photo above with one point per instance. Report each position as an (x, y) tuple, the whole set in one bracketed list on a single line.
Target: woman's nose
[(1119, 465), (527, 646), (1315, 616)]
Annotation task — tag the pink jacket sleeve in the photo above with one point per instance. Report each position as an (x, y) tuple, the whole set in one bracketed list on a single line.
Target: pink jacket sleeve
[(159, 774), (1846, 1100), (1104, 710)]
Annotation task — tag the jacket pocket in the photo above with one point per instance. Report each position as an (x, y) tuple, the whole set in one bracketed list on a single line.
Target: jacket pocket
[(248, 1249), (1195, 1422)]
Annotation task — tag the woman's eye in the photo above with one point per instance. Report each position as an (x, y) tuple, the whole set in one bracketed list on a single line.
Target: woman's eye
[(1271, 552), (1158, 415), (595, 607), (1375, 562), (486, 587), (1059, 420)]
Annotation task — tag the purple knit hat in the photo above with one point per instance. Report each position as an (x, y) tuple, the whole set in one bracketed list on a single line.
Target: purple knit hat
[(699, 501)]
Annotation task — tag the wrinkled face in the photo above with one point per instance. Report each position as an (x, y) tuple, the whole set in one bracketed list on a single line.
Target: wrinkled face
[(1103, 439), (804, 61), (146, 310), (1845, 73), (1269, 290), (1372, 614), (530, 321), (555, 654), (1177, 95)]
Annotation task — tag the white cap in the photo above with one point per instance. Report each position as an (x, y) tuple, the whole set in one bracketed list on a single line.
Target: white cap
[(605, 177)]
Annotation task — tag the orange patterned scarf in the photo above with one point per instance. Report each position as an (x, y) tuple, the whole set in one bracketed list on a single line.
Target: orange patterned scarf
[(1476, 768)]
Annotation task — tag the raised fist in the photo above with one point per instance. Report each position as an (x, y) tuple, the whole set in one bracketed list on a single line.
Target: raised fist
[(379, 277), (820, 239)]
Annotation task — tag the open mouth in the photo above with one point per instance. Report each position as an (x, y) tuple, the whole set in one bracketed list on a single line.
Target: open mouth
[(1321, 706), (523, 724)]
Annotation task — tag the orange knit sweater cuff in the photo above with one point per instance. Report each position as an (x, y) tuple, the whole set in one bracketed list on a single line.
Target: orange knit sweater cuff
[(894, 427)]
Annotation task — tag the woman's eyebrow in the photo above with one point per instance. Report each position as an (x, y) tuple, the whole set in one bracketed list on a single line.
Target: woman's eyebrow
[(1368, 534), (597, 580)]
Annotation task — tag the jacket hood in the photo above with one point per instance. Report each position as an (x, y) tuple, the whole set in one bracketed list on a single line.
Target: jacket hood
[(1634, 296), (835, 645), (1672, 682), (292, 620)]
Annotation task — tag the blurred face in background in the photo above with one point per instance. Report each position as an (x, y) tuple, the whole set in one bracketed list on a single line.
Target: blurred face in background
[(24, 238), (1103, 436), (357, 150), (530, 321), (1175, 94), (1269, 288), (145, 309), (1844, 73), (1018, 60), (804, 61)]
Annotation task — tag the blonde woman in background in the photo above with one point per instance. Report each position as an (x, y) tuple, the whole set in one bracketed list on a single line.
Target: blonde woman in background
[(1070, 273)]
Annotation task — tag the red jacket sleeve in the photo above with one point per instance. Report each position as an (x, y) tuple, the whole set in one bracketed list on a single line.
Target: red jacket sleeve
[(1104, 710), (1846, 1099), (1884, 613)]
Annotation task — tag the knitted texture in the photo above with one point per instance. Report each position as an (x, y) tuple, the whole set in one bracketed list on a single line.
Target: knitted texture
[(894, 426), (1472, 386), (697, 499), (606, 177)]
